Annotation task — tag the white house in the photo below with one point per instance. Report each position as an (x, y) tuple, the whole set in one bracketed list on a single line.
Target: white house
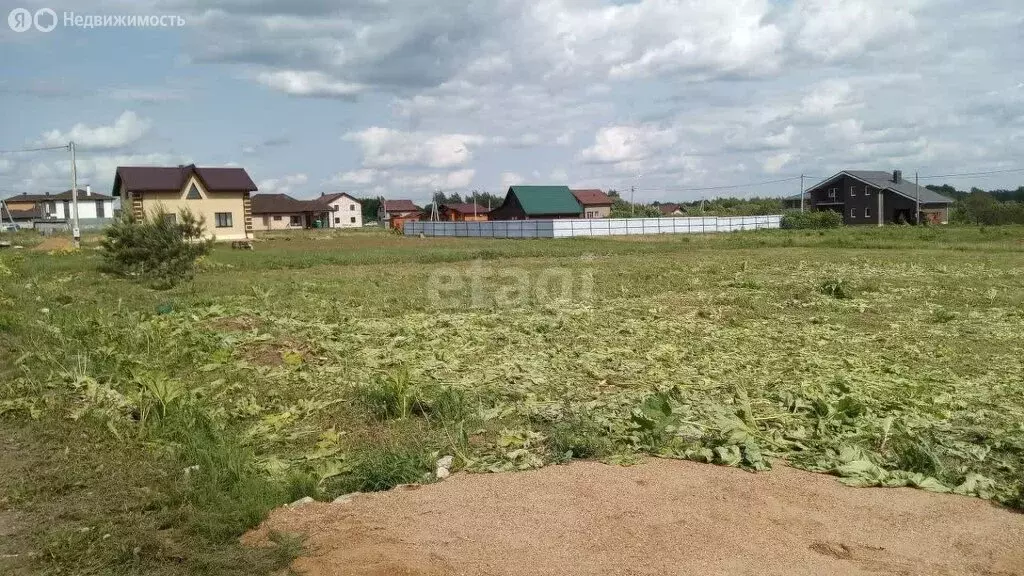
[(93, 208), (345, 211)]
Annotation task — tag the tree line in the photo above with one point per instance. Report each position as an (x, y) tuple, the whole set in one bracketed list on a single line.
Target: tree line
[(988, 207)]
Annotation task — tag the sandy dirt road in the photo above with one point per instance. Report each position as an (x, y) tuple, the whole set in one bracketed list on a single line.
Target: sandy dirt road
[(661, 517)]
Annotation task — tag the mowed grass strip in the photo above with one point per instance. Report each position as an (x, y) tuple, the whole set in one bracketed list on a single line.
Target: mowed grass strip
[(151, 428)]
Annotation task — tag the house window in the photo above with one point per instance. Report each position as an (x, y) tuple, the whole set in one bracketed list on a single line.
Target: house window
[(867, 190), (853, 212), (193, 193), (351, 207), (853, 190), (337, 220), (171, 218), (223, 219), (867, 212), (831, 192), (100, 212), (295, 220), (277, 218), (353, 220)]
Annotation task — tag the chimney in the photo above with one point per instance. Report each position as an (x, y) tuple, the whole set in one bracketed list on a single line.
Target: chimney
[(897, 176), (88, 189)]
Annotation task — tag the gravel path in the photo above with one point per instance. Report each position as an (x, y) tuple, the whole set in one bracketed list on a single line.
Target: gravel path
[(661, 517)]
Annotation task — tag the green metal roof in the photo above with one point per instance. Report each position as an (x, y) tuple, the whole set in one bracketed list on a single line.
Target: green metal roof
[(542, 200)]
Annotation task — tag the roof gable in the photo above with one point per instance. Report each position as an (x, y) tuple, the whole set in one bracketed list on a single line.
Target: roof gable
[(465, 208), (544, 200), (400, 206), (163, 179), (883, 181), (593, 197)]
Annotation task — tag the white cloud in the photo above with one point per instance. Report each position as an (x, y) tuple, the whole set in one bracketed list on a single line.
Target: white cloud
[(774, 163), (308, 83), (511, 179), (147, 95), (387, 148), (445, 181), (127, 129), (5, 165), (283, 185), (824, 27), (627, 144)]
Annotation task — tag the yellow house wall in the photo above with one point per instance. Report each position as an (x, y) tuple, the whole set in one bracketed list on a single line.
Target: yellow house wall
[(597, 211), (207, 207)]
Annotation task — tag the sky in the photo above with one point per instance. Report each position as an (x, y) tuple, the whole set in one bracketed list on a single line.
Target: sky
[(399, 98)]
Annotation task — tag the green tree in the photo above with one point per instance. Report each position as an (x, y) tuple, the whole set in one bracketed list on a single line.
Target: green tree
[(160, 250)]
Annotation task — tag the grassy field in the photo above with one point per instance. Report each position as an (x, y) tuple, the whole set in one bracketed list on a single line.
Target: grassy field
[(141, 431)]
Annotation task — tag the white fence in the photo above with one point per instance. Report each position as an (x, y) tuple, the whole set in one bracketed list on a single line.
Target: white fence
[(601, 227)]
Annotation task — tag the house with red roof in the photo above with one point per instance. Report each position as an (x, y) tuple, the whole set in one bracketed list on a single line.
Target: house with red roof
[(596, 204)]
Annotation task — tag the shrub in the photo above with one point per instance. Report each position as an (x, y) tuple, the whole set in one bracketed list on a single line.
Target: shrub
[(158, 250), (812, 220), (837, 288)]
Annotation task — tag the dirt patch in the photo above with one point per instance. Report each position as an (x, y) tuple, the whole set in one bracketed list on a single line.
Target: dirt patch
[(661, 517), (276, 354), (52, 243), (235, 324)]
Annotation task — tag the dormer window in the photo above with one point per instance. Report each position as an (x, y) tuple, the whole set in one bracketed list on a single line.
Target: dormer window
[(193, 193)]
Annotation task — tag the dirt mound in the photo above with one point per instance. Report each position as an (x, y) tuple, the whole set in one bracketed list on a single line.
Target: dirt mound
[(51, 243), (662, 517)]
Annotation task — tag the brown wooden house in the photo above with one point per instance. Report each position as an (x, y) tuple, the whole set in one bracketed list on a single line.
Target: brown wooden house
[(468, 212)]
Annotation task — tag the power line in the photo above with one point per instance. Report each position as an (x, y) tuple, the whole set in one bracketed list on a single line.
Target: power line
[(972, 174), (20, 150)]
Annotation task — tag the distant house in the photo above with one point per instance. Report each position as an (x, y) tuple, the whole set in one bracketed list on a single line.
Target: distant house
[(395, 213), (596, 204), (22, 219), (282, 212), (94, 209), (671, 210), (538, 203), (462, 212), (871, 197), (219, 195), (345, 211)]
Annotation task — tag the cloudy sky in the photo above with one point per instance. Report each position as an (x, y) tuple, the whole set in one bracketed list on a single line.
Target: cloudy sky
[(400, 97)]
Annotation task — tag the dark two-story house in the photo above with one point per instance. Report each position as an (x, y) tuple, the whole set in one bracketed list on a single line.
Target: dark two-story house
[(872, 197)]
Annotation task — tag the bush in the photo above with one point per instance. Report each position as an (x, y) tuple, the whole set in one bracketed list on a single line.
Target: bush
[(157, 250), (812, 220)]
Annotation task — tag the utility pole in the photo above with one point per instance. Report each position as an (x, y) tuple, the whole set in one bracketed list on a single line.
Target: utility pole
[(75, 231), (917, 186), (801, 192), (632, 206)]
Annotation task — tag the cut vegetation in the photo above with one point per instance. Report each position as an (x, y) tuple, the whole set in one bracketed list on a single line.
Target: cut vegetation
[(155, 427)]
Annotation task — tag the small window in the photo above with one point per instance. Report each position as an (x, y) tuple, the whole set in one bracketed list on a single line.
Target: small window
[(223, 219), (171, 218), (334, 208), (295, 221), (853, 190), (853, 212), (193, 193), (867, 190), (867, 212), (353, 220), (277, 218), (831, 192), (337, 220), (352, 207)]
